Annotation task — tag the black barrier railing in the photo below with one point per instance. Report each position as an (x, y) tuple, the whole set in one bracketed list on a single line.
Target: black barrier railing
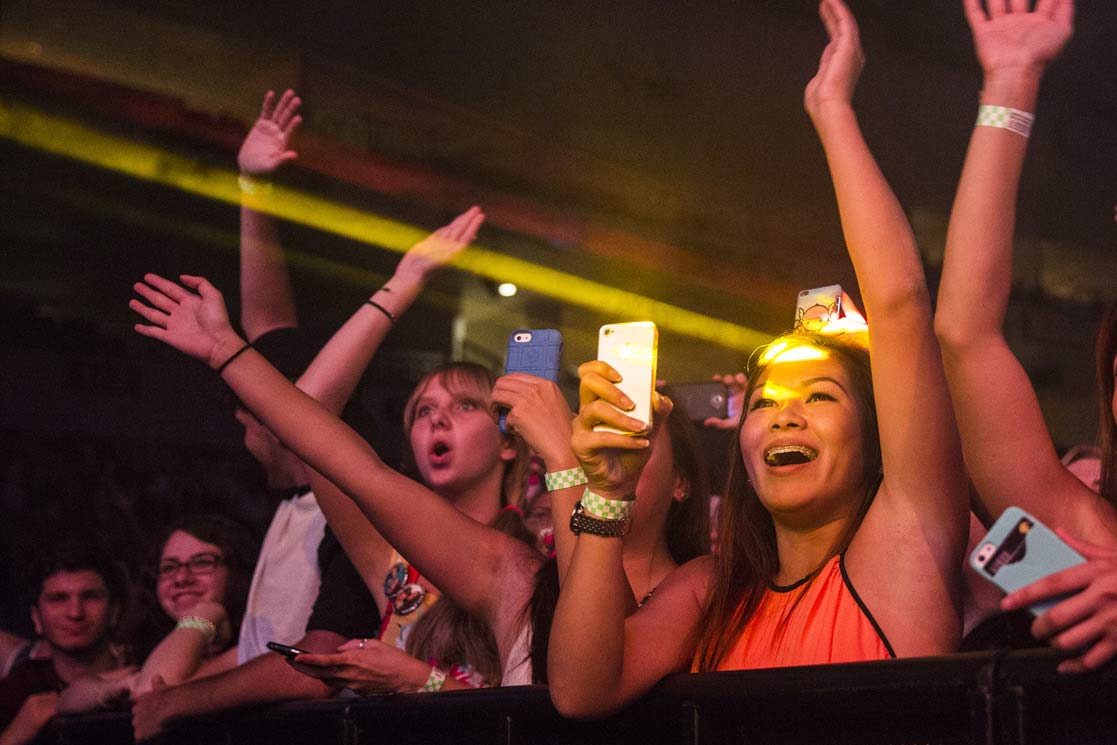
[(975, 699)]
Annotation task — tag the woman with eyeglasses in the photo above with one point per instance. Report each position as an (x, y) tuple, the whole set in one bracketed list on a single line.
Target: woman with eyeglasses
[(202, 577)]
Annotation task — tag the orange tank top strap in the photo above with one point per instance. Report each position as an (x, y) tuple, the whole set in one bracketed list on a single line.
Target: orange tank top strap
[(812, 622), (408, 599)]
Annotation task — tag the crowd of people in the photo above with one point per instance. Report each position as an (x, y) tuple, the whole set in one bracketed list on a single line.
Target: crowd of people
[(860, 475)]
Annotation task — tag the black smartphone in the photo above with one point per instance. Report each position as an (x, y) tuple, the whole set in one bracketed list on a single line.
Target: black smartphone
[(700, 401), (288, 652)]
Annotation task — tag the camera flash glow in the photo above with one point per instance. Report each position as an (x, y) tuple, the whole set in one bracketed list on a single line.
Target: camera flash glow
[(506, 289)]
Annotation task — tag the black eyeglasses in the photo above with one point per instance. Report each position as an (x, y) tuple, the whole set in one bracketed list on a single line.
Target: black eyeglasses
[(197, 564), (406, 597)]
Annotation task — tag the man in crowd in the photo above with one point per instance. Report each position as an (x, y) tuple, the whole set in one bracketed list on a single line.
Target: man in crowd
[(78, 600)]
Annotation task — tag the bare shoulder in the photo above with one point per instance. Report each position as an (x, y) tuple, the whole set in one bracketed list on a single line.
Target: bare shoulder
[(690, 580)]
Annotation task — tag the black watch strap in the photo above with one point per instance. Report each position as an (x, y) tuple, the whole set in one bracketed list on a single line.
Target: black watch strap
[(583, 522)]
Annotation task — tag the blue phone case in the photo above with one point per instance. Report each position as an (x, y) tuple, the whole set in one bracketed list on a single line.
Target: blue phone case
[(535, 352), (1018, 550)]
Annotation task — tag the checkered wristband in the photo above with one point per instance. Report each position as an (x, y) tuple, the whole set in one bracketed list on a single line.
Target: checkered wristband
[(435, 681), (1003, 117), (607, 509), (198, 623), (563, 479)]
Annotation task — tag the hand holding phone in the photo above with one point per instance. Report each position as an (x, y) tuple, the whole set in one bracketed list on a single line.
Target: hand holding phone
[(1019, 550), (289, 652), (632, 350), (534, 352), (700, 401)]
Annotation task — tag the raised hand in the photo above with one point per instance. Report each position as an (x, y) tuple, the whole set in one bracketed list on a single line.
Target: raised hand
[(441, 246), (1086, 622), (195, 323), (737, 384), (538, 413), (367, 666), (266, 146), (612, 462), (1009, 37), (842, 59)]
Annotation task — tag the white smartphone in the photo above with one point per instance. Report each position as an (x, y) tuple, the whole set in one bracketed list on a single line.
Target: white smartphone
[(632, 349), (1018, 550)]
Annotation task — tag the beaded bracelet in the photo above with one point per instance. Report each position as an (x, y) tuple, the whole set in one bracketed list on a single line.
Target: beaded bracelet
[(562, 479), (198, 623)]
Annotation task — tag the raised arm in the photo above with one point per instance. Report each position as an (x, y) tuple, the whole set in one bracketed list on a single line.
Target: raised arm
[(421, 525), (1008, 449), (267, 300), (335, 371), (924, 495), (602, 656), (333, 375)]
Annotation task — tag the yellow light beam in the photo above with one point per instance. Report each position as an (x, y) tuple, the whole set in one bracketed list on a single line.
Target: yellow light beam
[(72, 139)]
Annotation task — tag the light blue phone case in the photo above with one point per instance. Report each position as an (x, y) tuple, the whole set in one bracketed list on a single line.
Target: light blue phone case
[(1018, 550)]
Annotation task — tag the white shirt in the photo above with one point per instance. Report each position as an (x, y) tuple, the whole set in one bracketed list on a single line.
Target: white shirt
[(286, 580)]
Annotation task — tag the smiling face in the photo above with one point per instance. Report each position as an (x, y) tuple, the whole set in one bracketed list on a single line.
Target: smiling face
[(454, 438), (181, 589), (802, 440)]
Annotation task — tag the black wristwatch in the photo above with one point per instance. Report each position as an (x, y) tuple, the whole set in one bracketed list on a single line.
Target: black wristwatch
[(583, 522)]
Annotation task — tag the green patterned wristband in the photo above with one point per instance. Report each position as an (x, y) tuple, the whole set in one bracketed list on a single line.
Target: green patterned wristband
[(607, 509), (563, 479), (1003, 117), (435, 681)]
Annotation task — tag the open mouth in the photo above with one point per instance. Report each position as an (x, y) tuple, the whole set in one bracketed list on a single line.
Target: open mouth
[(789, 455), (440, 448)]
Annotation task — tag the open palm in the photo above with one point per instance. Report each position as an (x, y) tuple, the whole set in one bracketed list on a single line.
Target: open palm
[(1019, 38), (191, 322), (265, 147)]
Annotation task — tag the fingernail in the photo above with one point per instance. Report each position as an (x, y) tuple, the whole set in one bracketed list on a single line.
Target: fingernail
[(642, 442), (627, 402)]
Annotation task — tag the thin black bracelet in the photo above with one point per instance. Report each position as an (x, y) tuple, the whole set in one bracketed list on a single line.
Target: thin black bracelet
[(391, 316), (233, 356)]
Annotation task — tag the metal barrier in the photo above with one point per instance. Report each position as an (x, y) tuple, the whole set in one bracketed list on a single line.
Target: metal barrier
[(978, 698)]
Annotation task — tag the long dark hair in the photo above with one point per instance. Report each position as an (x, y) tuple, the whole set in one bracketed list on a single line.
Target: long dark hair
[(748, 559), (688, 536), (1105, 349)]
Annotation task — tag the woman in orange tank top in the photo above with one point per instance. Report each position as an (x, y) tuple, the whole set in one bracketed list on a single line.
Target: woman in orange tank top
[(844, 519)]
